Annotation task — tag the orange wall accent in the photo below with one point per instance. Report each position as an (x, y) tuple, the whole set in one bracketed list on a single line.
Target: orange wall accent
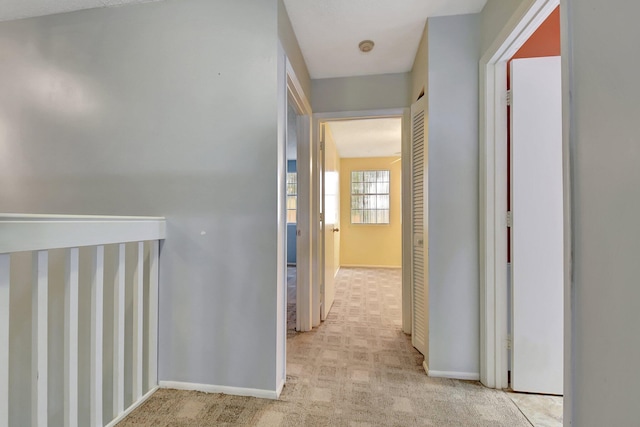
[(545, 41)]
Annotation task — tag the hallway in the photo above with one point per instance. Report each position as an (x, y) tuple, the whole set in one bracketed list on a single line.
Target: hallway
[(356, 369)]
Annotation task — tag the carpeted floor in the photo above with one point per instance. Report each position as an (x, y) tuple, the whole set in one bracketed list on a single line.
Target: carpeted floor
[(357, 369), (291, 297)]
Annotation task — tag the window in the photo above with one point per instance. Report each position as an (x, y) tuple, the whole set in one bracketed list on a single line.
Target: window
[(292, 197), (370, 197)]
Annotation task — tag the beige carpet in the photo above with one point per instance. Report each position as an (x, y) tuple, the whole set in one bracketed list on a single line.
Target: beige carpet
[(291, 297), (357, 369)]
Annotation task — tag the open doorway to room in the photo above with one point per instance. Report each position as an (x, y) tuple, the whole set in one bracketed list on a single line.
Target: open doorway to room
[(298, 209), (524, 261), (533, 167), (292, 210), (361, 206), (535, 237)]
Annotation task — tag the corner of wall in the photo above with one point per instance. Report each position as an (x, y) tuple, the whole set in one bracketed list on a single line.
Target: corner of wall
[(419, 71), (289, 41)]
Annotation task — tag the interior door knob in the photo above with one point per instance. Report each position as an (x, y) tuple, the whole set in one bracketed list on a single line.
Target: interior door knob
[(335, 230)]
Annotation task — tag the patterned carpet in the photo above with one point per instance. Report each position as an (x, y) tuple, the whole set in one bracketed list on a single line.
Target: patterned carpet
[(357, 369), (291, 298)]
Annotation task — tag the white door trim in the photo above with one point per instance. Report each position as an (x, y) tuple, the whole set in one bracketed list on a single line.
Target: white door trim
[(493, 188), (320, 118), (305, 201)]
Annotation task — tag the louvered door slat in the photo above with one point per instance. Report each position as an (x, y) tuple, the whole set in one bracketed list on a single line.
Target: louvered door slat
[(418, 268)]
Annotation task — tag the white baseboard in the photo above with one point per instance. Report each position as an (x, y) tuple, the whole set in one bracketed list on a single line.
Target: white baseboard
[(280, 388), (370, 266), (131, 408), (469, 376), (210, 388)]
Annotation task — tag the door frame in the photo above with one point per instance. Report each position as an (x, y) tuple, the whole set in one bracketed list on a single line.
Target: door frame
[(297, 97), (320, 119), (493, 194)]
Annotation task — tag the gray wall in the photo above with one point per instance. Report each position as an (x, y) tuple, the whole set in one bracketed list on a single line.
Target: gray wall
[(605, 154), (361, 93), (453, 51), (494, 16), (290, 44), (167, 109), (420, 69)]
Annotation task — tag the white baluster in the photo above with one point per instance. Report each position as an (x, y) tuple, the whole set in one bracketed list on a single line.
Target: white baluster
[(5, 280), (118, 335), (138, 300), (153, 313), (71, 307), (39, 339), (97, 318)]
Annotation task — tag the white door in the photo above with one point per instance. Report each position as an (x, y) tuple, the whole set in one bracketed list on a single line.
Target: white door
[(331, 223), (419, 221), (537, 231)]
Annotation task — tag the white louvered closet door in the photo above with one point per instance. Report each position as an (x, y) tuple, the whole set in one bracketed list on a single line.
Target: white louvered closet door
[(419, 188)]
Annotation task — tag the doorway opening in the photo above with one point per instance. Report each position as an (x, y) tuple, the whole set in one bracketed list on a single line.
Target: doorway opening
[(299, 206), (523, 195), (534, 181), (292, 210), (363, 220)]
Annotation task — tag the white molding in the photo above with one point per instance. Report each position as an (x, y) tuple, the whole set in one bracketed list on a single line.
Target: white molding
[(393, 267), (35, 234), (279, 389), (360, 114), (132, 408), (493, 188), (294, 88), (210, 388), (466, 376), (305, 200)]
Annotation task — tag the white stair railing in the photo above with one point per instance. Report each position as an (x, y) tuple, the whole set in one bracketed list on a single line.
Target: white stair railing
[(39, 234)]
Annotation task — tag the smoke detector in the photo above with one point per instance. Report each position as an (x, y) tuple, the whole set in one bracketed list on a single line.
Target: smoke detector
[(366, 46)]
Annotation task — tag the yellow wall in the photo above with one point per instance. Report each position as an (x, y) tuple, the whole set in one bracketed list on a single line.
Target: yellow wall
[(371, 245)]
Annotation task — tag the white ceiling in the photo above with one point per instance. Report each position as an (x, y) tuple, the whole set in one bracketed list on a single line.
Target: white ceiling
[(368, 137), (329, 31), (17, 9)]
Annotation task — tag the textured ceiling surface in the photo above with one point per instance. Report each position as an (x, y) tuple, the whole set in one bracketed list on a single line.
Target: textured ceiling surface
[(18, 9), (329, 31), (368, 137)]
